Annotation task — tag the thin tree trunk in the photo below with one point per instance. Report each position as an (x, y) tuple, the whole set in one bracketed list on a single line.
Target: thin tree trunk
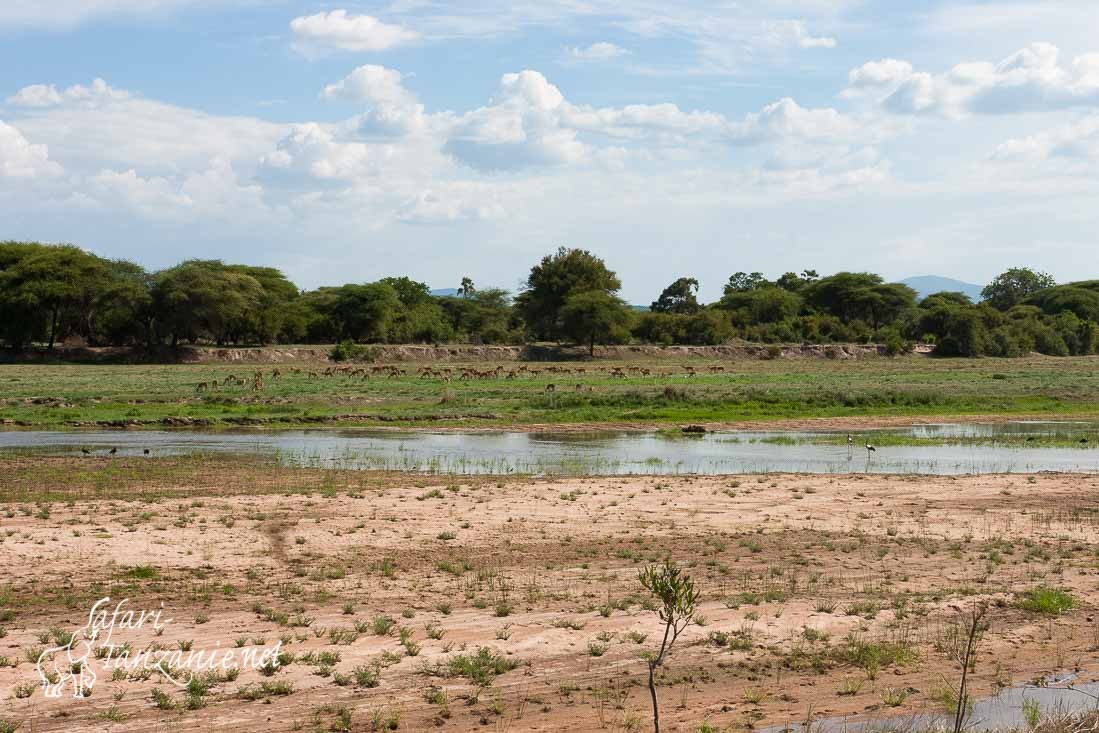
[(652, 693), (53, 329)]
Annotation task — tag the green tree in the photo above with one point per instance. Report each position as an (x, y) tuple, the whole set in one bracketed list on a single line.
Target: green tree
[(204, 299), (1081, 298), (1011, 287), (794, 282), (593, 315), (861, 296), (552, 281), (318, 309), (63, 283), (265, 324), (125, 313), (466, 289), (364, 312), (763, 305), (743, 282), (410, 292), (677, 599), (679, 297), (945, 298), (21, 322), (484, 316)]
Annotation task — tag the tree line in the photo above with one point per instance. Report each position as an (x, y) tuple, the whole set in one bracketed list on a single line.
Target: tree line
[(53, 293)]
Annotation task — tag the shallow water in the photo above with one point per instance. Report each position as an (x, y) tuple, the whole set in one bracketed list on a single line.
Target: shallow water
[(1003, 711), (600, 453)]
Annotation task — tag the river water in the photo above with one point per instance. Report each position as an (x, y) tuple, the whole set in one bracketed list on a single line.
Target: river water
[(947, 449)]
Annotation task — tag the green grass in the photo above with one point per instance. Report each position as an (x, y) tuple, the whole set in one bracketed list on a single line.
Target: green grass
[(749, 390), (480, 668), (1047, 601)]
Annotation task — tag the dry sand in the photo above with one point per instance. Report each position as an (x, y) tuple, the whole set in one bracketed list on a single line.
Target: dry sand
[(544, 573)]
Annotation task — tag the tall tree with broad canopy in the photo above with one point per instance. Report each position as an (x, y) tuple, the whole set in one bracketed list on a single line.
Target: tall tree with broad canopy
[(860, 296), (680, 297), (61, 283), (553, 280), (205, 299), (593, 316), (1013, 286), (364, 312)]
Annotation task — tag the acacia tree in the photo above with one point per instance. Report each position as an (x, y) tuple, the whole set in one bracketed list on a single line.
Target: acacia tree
[(364, 312), (678, 599), (60, 282), (861, 296), (553, 280), (205, 299), (593, 315)]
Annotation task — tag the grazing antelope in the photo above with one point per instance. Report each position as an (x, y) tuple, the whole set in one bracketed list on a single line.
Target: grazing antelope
[(214, 385), (275, 374), (202, 386), (579, 388), (257, 385), (231, 379), (551, 387), (314, 375)]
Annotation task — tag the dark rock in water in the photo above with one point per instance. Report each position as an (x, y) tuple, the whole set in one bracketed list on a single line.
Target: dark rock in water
[(694, 429)]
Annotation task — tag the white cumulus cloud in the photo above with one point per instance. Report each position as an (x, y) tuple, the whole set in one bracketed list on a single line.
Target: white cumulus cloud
[(1031, 79), (20, 159), (391, 108)]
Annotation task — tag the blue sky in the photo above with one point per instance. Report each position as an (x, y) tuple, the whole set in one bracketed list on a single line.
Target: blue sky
[(347, 141)]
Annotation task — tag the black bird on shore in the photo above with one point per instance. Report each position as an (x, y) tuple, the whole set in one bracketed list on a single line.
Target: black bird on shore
[(146, 451), (85, 451), (112, 451)]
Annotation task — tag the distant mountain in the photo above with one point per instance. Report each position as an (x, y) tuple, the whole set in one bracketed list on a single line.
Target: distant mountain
[(443, 292), (926, 285)]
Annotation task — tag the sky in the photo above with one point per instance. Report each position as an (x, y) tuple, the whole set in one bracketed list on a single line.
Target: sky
[(348, 141)]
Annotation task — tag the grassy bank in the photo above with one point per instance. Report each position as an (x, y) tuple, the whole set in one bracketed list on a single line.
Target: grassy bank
[(59, 395)]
